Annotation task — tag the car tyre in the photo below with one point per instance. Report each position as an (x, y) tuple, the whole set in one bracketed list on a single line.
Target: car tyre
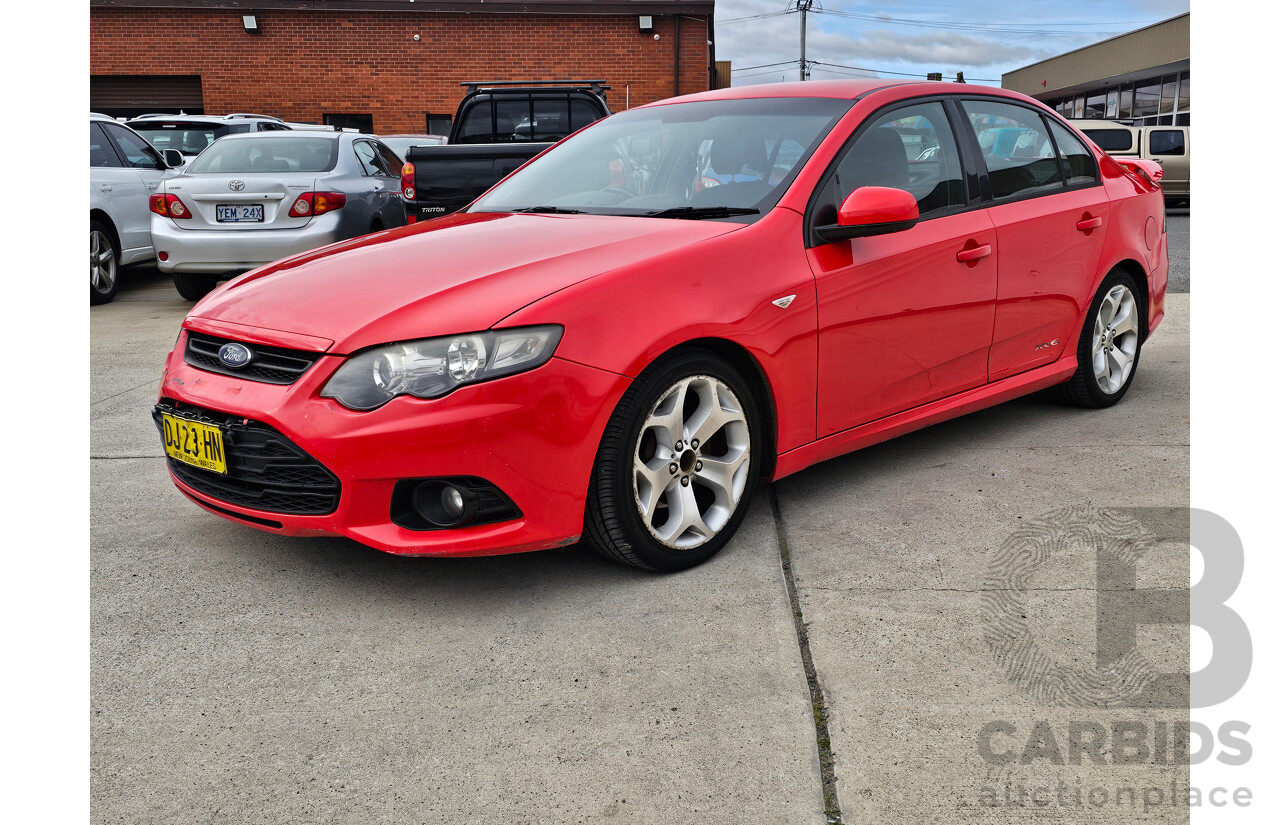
[(194, 287), (104, 264), (677, 465), (1110, 345)]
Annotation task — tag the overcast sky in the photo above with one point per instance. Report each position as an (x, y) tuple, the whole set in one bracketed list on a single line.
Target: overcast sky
[(982, 38)]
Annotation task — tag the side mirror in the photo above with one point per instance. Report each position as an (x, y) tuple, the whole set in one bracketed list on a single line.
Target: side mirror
[(174, 159), (872, 210)]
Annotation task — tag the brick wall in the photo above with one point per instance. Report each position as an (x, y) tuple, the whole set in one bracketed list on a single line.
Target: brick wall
[(304, 64)]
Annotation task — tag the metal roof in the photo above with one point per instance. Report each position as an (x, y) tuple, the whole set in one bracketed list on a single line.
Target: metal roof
[(576, 7)]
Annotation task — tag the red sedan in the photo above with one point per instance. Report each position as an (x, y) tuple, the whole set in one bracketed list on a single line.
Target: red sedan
[(618, 341)]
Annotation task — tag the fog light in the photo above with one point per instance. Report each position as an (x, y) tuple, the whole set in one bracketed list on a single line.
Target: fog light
[(451, 500), (443, 505), (449, 503), (164, 256)]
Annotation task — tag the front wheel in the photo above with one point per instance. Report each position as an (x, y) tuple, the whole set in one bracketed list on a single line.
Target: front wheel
[(677, 465), (194, 287), (1110, 345)]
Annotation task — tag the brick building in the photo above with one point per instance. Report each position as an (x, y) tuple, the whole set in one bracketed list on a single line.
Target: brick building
[(384, 65)]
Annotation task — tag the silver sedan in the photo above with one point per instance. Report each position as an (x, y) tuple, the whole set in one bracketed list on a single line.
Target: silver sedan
[(251, 199)]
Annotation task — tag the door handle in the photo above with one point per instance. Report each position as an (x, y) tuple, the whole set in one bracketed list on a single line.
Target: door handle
[(105, 187), (377, 187), (151, 187), (966, 256), (1089, 223)]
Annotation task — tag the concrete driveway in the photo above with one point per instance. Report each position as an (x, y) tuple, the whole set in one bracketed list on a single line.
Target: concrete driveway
[(243, 677)]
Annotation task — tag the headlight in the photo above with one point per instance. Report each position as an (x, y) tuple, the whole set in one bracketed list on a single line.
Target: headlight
[(433, 367)]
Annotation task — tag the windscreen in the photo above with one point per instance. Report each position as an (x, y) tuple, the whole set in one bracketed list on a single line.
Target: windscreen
[(732, 154), (247, 156), (187, 138)]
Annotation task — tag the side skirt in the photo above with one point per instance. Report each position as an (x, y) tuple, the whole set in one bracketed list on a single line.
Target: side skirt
[(917, 418)]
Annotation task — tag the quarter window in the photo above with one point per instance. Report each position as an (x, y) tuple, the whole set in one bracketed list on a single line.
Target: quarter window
[(910, 148), (369, 159), (1016, 148), (1079, 161)]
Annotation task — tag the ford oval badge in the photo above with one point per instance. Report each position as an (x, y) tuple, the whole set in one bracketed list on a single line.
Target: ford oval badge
[(235, 356)]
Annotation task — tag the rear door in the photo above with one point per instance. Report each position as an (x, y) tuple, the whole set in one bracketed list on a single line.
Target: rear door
[(377, 185), (902, 319), (1171, 148), (132, 187), (1050, 213)]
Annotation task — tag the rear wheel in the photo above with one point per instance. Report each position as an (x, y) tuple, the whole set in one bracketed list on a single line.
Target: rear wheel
[(194, 287), (1110, 345), (104, 264), (677, 465)]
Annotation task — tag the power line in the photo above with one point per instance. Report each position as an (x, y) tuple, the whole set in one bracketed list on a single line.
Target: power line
[(765, 65), (984, 28), (753, 17), (899, 74)]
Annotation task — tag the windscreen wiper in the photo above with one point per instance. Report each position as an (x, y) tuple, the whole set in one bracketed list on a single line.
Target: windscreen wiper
[(696, 213), (550, 210)]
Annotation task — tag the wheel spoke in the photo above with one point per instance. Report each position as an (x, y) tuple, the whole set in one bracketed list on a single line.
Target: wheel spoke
[(670, 422), (650, 493), (1126, 324), (685, 516), (717, 474)]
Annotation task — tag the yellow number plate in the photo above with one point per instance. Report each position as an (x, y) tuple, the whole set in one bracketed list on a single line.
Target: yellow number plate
[(190, 442)]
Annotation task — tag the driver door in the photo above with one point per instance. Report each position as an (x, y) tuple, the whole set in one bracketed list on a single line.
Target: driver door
[(902, 320)]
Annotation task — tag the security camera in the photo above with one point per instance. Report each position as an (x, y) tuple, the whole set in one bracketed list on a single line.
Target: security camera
[(657, 37), (417, 37)]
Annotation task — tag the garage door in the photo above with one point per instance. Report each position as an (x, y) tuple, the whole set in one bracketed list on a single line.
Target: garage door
[(132, 95)]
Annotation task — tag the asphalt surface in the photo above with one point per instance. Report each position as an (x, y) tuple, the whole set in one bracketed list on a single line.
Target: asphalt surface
[(242, 677)]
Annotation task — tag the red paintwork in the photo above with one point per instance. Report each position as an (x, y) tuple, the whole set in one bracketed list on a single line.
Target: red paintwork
[(884, 335), (868, 205)]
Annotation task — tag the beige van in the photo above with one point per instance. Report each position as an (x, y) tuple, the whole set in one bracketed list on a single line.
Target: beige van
[(1170, 146)]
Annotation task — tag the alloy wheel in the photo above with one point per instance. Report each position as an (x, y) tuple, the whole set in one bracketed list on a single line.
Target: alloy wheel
[(691, 462), (1115, 339), (102, 262)]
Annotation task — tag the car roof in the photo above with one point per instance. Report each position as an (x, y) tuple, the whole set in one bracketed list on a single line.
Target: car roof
[(289, 134), (205, 118)]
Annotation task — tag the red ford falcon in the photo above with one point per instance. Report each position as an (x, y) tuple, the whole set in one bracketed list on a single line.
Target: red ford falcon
[(617, 342)]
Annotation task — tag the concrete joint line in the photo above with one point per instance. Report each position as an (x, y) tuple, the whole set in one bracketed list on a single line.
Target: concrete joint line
[(830, 800)]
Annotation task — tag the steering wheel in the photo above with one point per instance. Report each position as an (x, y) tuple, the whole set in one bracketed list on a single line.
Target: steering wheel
[(618, 189)]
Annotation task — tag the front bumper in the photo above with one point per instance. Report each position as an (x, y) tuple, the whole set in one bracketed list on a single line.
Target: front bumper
[(222, 251), (533, 435)]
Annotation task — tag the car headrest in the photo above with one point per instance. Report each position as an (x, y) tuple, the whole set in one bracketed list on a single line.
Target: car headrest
[(731, 154), (879, 159), (193, 142)]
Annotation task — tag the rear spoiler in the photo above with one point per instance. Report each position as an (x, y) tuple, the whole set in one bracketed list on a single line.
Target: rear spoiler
[(1148, 169)]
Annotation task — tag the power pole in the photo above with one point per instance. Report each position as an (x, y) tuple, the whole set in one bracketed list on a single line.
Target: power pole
[(803, 6)]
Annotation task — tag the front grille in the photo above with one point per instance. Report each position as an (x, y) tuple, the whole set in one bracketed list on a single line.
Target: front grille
[(270, 365), (265, 470)]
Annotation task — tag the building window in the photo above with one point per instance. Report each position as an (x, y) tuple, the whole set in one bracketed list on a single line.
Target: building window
[(1126, 104), (1146, 99), (1113, 103), (361, 123), (1095, 105), (1078, 107), (439, 124), (1168, 94), (1184, 93)]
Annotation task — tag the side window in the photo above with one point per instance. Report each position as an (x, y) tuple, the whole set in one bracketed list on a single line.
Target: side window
[(390, 161), (100, 152), (582, 112), (1167, 142), (1110, 140), (1081, 166), (1016, 147), (476, 125), (137, 152), (369, 158), (911, 148)]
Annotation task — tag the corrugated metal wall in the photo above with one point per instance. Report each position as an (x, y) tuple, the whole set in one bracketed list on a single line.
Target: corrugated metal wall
[(1158, 45)]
